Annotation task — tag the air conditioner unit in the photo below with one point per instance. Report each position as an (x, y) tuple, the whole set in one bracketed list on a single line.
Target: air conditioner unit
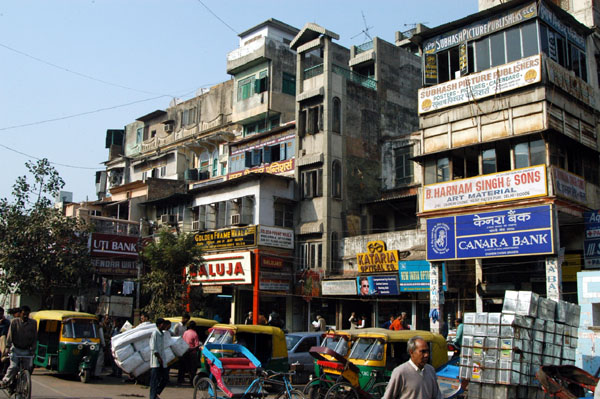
[(168, 219), (236, 219), (168, 127), (205, 175)]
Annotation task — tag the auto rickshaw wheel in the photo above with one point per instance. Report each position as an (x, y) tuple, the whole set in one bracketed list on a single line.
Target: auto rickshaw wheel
[(85, 375), (378, 390), (205, 388), (293, 394), (342, 390), (316, 389)]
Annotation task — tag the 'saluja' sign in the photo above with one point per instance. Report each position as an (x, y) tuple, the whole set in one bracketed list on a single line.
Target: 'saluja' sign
[(226, 268)]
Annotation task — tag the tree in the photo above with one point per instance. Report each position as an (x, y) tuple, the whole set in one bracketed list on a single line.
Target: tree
[(164, 284), (41, 250)]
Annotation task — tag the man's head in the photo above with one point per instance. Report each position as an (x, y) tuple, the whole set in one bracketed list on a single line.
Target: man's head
[(161, 324), (144, 317), (25, 310), (364, 286), (418, 351), (185, 318), (457, 321), (191, 325), (15, 312)]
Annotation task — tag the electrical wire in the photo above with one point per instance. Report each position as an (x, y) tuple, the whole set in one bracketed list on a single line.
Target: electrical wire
[(217, 17), (52, 163)]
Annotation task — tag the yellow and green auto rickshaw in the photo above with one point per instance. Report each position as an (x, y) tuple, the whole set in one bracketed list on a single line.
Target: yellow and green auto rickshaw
[(67, 342), (266, 343)]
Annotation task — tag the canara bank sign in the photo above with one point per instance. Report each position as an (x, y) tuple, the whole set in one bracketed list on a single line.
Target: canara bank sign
[(496, 187), (378, 259), (227, 268)]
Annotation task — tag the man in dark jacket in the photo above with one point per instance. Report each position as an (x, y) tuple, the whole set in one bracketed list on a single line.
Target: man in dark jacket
[(21, 338)]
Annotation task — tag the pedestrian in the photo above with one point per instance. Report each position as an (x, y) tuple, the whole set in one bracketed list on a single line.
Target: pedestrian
[(158, 367), (180, 326), (322, 324), (21, 339), (397, 324), (116, 330), (388, 323), (100, 358), (275, 320), (405, 325), (414, 379), (353, 321), (4, 323), (362, 323), (262, 320), (144, 318), (249, 318), (458, 323), (190, 358)]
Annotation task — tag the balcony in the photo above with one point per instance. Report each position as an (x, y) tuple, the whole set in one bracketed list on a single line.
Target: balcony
[(115, 226), (364, 47), (313, 71), (256, 51), (364, 81)]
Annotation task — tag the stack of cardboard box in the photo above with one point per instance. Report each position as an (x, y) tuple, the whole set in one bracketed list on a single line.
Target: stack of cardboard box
[(501, 352)]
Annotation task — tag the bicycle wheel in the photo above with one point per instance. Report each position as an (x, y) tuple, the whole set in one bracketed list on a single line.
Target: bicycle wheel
[(316, 389), (23, 390), (205, 389), (378, 390), (293, 394), (341, 390)]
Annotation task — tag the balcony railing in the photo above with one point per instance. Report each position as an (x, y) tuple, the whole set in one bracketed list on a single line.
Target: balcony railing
[(364, 47), (355, 77), (115, 226), (313, 71)]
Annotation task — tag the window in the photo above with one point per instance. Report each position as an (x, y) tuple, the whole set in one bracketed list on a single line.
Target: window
[(152, 133), (289, 84), (254, 157), (437, 170), (139, 135), (261, 84), (497, 49), (530, 153), (163, 171), (215, 163), (311, 254), (482, 54), (313, 120), (311, 183), (245, 87), (335, 261), (403, 165), (284, 214), (513, 52), (337, 115), (488, 161), (336, 182), (188, 116)]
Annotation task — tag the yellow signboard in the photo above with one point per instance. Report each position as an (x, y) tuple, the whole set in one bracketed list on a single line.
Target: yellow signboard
[(377, 259)]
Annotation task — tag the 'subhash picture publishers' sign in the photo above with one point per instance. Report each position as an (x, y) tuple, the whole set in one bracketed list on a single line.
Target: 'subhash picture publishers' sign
[(500, 79), (496, 187)]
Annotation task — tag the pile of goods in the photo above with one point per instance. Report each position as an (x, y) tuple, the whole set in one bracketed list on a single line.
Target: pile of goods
[(501, 352), (131, 349)]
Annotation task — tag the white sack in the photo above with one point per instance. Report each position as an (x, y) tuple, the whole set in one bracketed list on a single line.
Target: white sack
[(167, 339), (124, 352), (126, 326), (169, 356), (141, 369), (179, 346), (132, 362), (128, 337), (141, 345), (145, 353)]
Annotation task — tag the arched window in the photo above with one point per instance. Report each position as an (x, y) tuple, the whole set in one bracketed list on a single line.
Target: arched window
[(337, 115), (336, 182)]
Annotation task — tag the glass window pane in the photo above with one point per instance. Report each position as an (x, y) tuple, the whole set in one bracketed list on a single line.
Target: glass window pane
[(582, 65), (538, 152), (521, 155), (489, 161), (513, 48), (530, 39), (443, 169), (454, 66), (430, 172), (497, 45), (482, 53), (443, 74), (574, 60)]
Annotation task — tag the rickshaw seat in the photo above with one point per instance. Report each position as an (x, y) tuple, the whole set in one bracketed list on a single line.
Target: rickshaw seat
[(331, 365), (236, 363)]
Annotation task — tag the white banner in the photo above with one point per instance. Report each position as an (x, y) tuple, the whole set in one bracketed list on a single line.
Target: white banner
[(338, 287), (487, 83), (569, 185), (276, 237), (225, 268), (496, 187)]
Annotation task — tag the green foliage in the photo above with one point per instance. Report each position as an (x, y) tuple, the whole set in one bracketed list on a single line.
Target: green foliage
[(164, 283), (41, 250)]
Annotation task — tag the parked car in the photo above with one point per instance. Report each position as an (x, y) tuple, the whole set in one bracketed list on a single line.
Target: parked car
[(299, 358)]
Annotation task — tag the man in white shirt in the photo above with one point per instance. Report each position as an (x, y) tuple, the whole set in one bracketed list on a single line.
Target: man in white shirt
[(415, 379), (158, 366)]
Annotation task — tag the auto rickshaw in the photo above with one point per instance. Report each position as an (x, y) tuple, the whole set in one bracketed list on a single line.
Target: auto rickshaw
[(340, 341), (265, 342), (67, 342), (374, 355)]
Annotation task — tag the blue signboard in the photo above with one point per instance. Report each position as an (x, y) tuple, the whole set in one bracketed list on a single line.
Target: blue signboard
[(521, 231), (377, 285), (591, 243), (414, 275)]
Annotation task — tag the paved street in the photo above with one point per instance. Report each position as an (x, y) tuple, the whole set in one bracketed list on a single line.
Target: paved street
[(47, 385)]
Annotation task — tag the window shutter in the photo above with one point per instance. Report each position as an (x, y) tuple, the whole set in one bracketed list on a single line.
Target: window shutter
[(256, 157), (282, 155), (267, 154), (248, 159), (319, 177)]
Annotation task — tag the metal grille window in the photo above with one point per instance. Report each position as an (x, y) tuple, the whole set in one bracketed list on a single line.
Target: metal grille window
[(289, 84), (403, 165)]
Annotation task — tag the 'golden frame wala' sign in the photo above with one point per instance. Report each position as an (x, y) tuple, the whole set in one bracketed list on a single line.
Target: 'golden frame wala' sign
[(378, 259)]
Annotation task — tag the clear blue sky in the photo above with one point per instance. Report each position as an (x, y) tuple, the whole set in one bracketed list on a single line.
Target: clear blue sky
[(168, 47)]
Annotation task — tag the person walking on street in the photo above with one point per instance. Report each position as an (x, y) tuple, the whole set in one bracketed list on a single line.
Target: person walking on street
[(353, 321), (322, 324), (158, 366), (414, 379), (397, 324), (21, 338), (249, 319), (180, 326), (459, 332), (4, 323), (190, 358)]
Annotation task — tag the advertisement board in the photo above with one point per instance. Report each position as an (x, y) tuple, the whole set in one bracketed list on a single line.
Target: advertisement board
[(591, 243), (378, 259), (238, 237), (338, 287), (113, 246), (512, 232), (377, 285), (414, 276), (277, 237), (569, 185), (495, 187), (227, 268)]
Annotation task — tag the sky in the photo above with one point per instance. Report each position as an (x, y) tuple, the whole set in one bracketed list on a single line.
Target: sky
[(71, 69)]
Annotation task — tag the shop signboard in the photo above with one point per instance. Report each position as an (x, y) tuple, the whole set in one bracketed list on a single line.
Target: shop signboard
[(512, 185), (378, 259), (568, 185), (377, 285), (115, 266), (489, 82), (113, 246), (238, 237), (431, 72), (338, 287), (591, 243), (274, 168), (277, 237), (227, 268), (414, 275), (512, 232)]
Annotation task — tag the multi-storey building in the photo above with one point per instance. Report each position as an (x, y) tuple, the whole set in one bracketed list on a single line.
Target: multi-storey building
[(509, 136)]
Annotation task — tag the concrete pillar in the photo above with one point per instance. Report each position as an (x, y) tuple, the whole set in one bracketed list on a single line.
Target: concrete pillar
[(478, 281), (553, 279)]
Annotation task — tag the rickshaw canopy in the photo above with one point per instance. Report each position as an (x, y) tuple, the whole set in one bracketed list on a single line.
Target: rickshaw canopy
[(279, 344), (60, 315), (200, 322)]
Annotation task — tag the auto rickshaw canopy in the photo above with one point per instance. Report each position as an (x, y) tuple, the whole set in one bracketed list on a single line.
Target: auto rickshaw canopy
[(200, 322), (60, 315), (279, 347)]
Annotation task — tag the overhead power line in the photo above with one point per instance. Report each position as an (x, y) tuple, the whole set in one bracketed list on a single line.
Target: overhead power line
[(217, 17), (53, 163)]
